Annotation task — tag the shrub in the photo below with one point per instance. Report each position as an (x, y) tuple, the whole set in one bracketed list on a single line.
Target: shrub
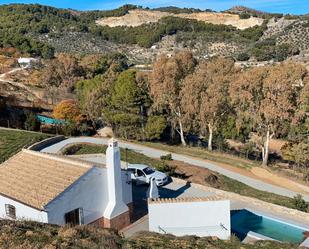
[(300, 204), (72, 149), (169, 170), (248, 148), (243, 57), (167, 157), (213, 180), (244, 16)]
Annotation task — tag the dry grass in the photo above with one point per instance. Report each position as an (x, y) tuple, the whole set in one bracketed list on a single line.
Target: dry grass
[(26, 235), (147, 240)]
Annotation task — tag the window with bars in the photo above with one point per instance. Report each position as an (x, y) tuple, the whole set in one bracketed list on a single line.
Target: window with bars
[(10, 211)]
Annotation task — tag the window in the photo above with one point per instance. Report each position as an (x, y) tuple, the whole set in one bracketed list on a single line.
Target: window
[(148, 171), (10, 211), (139, 173), (131, 170), (74, 217)]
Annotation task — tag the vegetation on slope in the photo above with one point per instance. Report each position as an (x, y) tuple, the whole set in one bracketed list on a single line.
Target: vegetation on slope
[(20, 24), (148, 240), (27, 234), (13, 141), (177, 10), (39, 26), (35, 20)]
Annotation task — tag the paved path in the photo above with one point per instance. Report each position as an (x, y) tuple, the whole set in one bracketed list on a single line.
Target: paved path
[(155, 153)]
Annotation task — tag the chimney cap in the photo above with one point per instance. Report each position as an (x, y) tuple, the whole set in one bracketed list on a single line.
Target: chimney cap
[(112, 142)]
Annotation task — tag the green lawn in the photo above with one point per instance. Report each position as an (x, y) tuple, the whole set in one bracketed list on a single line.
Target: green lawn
[(12, 141), (223, 182), (205, 154), (232, 185), (126, 155)]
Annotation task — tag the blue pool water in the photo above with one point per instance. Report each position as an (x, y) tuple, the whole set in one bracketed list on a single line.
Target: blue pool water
[(244, 221)]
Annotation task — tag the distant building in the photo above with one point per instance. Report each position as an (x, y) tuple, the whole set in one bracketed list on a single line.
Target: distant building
[(28, 62), (60, 190), (205, 216)]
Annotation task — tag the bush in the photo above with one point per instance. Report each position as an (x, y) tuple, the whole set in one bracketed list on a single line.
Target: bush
[(220, 143), (248, 149), (244, 16), (213, 180), (167, 157), (243, 57), (72, 149), (69, 128), (300, 204), (169, 170)]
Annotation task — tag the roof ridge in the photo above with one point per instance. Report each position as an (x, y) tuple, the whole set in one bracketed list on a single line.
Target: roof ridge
[(60, 158)]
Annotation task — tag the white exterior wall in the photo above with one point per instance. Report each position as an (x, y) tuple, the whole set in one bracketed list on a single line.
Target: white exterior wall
[(23, 212), (116, 205), (201, 218), (90, 193)]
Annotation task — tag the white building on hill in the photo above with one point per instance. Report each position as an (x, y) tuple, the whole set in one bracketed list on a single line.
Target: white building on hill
[(61, 190), (28, 62)]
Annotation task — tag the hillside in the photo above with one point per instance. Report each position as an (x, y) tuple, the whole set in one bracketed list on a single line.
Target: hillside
[(138, 17), (252, 38), (35, 235), (141, 33)]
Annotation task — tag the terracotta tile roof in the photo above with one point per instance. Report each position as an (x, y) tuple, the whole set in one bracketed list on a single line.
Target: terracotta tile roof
[(35, 178), (186, 199)]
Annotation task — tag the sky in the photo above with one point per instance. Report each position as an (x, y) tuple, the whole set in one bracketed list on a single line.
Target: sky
[(277, 6)]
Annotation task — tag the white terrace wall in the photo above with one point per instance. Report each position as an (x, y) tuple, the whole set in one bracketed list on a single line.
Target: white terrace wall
[(201, 218), (90, 193), (23, 212)]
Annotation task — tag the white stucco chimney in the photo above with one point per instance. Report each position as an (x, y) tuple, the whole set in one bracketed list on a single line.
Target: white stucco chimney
[(115, 205)]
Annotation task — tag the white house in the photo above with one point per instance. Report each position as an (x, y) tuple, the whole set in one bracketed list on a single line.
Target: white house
[(205, 216), (61, 190), (28, 62)]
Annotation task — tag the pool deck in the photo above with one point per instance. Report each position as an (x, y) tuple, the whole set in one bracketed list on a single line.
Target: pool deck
[(305, 243), (292, 220)]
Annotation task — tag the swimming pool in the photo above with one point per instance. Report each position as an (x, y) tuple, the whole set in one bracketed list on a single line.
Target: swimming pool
[(243, 221)]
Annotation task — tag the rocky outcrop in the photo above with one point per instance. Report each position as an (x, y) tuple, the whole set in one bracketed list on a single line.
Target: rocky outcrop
[(138, 17)]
